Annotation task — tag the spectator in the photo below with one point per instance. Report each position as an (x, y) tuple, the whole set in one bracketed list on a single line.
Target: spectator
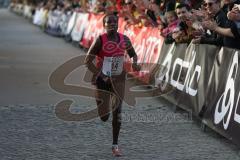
[(153, 11), (184, 32), (119, 5), (75, 4), (215, 12), (233, 15), (110, 6), (233, 31), (229, 4), (96, 6), (134, 14), (129, 11), (168, 4), (172, 22), (143, 19)]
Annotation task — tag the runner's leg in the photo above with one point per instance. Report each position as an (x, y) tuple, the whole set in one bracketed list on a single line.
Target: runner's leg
[(103, 99), (118, 89)]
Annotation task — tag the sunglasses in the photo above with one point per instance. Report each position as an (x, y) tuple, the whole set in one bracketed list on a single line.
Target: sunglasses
[(128, 3), (208, 4)]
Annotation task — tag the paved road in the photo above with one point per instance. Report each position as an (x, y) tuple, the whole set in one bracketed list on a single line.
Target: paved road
[(30, 130)]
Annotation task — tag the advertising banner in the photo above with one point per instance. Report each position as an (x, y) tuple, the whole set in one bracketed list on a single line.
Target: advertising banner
[(188, 72), (71, 23), (222, 104), (147, 44), (80, 25)]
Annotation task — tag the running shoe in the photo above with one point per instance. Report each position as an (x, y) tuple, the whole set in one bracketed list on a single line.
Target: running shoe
[(116, 152)]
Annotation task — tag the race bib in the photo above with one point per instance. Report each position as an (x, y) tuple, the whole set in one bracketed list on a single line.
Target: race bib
[(113, 66)]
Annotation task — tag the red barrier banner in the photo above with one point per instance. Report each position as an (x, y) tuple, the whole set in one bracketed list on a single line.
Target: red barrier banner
[(132, 32), (121, 25), (153, 45), (147, 43), (93, 30)]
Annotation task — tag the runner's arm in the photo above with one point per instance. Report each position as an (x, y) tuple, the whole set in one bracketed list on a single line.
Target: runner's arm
[(91, 55), (132, 54), (130, 50)]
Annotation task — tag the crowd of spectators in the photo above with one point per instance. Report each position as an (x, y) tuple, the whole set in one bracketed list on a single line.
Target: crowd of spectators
[(214, 22)]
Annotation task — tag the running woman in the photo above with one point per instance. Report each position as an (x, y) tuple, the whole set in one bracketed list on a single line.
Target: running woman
[(109, 51)]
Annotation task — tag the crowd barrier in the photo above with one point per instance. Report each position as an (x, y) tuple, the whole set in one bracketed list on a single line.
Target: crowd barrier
[(4, 3), (205, 78), (206, 82)]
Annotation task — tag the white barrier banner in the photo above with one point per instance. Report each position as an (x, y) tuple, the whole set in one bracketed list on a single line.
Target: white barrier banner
[(80, 26)]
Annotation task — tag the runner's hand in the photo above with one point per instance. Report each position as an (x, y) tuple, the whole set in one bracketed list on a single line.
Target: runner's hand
[(101, 75), (136, 67), (104, 77)]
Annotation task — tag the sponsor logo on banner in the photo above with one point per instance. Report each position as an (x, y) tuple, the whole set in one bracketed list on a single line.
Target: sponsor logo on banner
[(153, 47), (180, 67), (226, 102), (80, 26), (147, 44)]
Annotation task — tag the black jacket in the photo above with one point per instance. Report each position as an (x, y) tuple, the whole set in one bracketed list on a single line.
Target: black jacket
[(219, 40), (228, 7), (214, 38)]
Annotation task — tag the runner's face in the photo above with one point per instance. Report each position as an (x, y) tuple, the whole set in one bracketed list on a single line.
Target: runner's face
[(111, 24)]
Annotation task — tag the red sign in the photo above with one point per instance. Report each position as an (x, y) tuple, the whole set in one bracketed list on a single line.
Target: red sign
[(93, 30)]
